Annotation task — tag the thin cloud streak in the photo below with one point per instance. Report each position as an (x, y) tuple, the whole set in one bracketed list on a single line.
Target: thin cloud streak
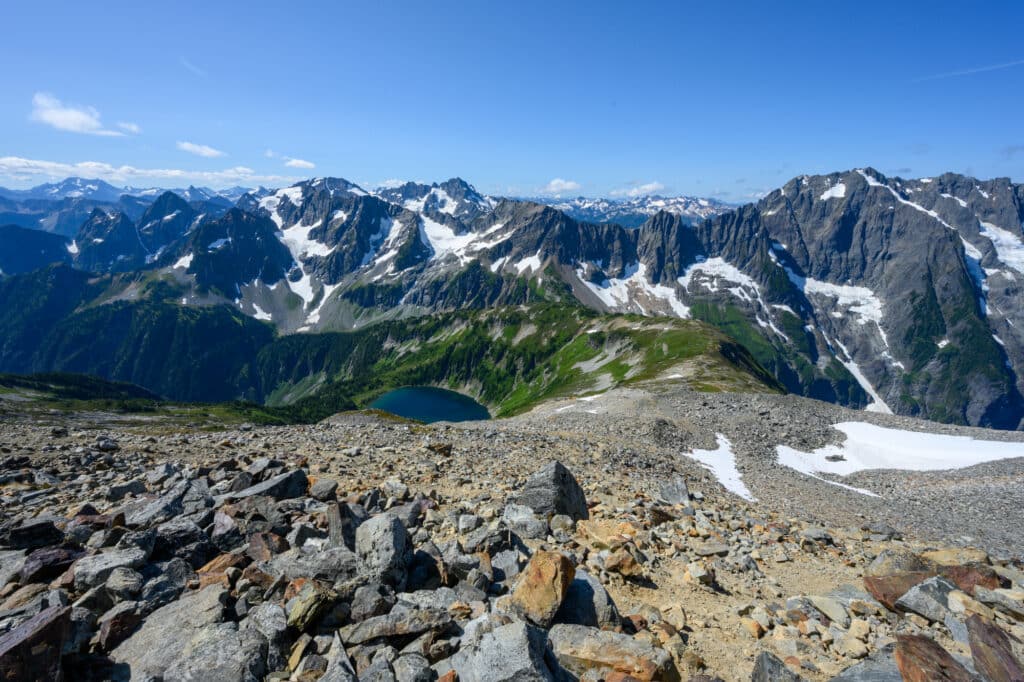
[(22, 170), (189, 66), (969, 72)]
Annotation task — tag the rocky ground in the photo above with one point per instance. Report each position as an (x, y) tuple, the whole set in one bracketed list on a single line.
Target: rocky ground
[(575, 542)]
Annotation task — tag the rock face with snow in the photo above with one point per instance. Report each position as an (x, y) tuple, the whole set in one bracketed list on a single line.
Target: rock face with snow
[(868, 291)]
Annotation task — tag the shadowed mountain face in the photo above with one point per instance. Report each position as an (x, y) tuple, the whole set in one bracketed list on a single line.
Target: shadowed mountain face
[(855, 288)]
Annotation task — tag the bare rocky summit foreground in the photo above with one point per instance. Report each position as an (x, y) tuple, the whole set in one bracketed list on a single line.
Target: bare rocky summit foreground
[(373, 549)]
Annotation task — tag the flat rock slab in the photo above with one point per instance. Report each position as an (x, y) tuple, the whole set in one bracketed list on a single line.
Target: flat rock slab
[(921, 660), (166, 633), (398, 622), (32, 650), (588, 651), (992, 651)]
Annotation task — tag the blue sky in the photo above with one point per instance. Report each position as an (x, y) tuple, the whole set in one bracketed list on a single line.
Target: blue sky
[(719, 99)]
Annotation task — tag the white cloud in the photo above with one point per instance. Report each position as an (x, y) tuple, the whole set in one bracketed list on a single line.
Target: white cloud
[(299, 163), (270, 154), (639, 190), (200, 150), (86, 120), (22, 171), (560, 186), (390, 183), (129, 127)]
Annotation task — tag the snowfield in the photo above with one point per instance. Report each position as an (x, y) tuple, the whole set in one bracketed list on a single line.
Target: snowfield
[(876, 447)]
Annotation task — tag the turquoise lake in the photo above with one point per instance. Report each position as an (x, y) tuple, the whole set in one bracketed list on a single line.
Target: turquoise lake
[(429, 404)]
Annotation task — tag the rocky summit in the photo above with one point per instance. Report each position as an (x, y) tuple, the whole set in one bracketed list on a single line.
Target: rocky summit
[(564, 544)]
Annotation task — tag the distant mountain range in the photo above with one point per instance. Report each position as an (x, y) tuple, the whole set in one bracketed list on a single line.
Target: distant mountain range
[(853, 287)]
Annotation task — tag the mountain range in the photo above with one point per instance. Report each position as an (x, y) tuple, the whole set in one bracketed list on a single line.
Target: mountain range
[(869, 291)]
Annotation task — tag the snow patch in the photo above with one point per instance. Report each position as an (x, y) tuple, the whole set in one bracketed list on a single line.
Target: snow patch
[(184, 262), (722, 463), (1009, 247), (619, 292), (261, 314), (836, 192), (73, 248), (531, 263), (868, 447), (300, 244)]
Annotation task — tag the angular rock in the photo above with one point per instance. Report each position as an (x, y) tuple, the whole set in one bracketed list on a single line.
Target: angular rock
[(11, 564), (522, 521), (768, 668), (553, 490), (167, 633), (323, 489), (34, 534), (120, 490), (45, 564), (309, 605), (922, 660), (1009, 601), (334, 564), (339, 667), (587, 603), (508, 653), (585, 651), (270, 620), (286, 486), (992, 652), (888, 589), (675, 492), (398, 622), (220, 653), (970, 576), (542, 587), (385, 549), (94, 570), (929, 599), (32, 651)]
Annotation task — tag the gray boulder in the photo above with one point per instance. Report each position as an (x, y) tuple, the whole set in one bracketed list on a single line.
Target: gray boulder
[(334, 564), (166, 634), (509, 653), (553, 490), (221, 653), (929, 599), (384, 547), (94, 570), (521, 520), (588, 603)]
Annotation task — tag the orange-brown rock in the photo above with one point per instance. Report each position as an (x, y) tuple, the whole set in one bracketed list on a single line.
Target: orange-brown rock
[(920, 659), (542, 587), (993, 652), (888, 588)]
